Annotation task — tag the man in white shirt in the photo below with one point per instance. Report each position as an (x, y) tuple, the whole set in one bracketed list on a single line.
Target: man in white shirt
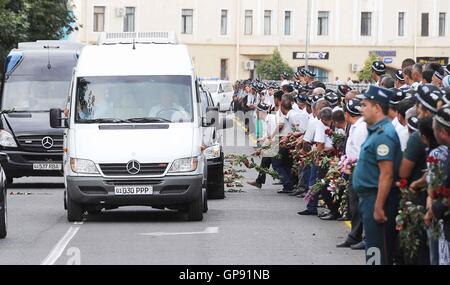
[(264, 112), (357, 134), (297, 118), (402, 131)]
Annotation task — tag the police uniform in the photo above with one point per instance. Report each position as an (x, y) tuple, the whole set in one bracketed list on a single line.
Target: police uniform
[(382, 144)]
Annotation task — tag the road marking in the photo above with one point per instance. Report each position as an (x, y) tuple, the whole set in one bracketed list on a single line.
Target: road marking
[(252, 138), (209, 230), (61, 245), (348, 224)]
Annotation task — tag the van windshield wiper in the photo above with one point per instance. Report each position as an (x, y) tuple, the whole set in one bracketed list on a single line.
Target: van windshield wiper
[(148, 120), (103, 121)]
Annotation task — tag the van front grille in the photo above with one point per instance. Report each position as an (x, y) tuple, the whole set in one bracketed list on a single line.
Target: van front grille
[(49, 144), (120, 169)]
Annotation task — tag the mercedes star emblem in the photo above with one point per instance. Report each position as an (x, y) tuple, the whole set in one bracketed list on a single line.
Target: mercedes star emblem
[(133, 167), (47, 142)]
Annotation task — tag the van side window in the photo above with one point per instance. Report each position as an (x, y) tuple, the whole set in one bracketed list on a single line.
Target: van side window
[(204, 101)]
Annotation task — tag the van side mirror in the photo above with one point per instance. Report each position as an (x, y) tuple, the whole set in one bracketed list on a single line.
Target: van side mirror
[(212, 116), (56, 119)]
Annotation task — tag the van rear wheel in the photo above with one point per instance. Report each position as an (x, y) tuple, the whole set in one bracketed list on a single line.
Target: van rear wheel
[(195, 209), (75, 211)]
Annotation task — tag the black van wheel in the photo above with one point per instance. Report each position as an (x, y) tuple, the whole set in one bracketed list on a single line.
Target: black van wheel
[(195, 209), (205, 200), (215, 183), (75, 211), (3, 217)]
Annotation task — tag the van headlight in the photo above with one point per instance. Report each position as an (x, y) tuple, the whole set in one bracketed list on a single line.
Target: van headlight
[(184, 165), (7, 139), (83, 166), (212, 152)]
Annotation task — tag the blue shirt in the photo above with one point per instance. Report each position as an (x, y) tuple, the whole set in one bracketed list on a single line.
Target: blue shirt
[(381, 144)]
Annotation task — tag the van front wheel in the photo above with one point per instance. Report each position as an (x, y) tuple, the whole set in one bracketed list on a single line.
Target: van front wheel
[(3, 218), (195, 209)]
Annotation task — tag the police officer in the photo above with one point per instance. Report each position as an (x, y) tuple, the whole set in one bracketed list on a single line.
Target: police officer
[(378, 70), (375, 176)]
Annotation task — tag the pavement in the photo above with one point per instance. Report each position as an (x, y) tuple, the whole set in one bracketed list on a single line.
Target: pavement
[(251, 227)]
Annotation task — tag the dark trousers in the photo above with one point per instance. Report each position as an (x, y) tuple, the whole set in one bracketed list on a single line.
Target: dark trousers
[(357, 225), (265, 163), (316, 174), (303, 177), (283, 166), (380, 238)]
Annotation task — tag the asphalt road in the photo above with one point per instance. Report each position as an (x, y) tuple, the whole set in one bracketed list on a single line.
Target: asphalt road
[(249, 227)]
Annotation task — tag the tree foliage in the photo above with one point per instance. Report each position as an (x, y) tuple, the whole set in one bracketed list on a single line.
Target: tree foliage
[(366, 72), (271, 67), (31, 20)]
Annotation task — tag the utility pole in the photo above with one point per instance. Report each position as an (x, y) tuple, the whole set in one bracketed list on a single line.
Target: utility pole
[(308, 28)]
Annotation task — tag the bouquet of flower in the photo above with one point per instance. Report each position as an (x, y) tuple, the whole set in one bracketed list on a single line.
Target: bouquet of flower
[(437, 177), (410, 221)]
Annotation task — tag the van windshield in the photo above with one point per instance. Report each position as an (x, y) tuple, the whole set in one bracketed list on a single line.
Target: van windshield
[(25, 95), (134, 99)]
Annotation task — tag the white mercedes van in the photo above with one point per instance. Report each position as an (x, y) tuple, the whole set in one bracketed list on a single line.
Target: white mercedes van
[(135, 134)]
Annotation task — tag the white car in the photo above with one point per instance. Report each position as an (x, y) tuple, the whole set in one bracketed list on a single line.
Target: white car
[(221, 92), (135, 135)]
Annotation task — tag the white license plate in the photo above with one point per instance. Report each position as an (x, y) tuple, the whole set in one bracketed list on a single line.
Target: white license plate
[(133, 190), (47, 166)]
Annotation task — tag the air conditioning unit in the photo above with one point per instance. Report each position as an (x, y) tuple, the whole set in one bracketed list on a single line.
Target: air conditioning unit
[(120, 12), (249, 65), (354, 67)]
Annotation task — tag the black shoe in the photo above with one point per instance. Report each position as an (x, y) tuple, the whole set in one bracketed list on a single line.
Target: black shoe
[(285, 192), (307, 213), (343, 219), (255, 184), (330, 217), (277, 183), (298, 192), (359, 246), (347, 244), (324, 213), (303, 195)]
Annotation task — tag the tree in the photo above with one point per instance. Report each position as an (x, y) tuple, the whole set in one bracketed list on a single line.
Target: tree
[(31, 20), (271, 67), (366, 72)]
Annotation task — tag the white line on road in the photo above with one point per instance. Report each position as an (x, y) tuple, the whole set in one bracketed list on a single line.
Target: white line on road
[(61, 245), (209, 230)]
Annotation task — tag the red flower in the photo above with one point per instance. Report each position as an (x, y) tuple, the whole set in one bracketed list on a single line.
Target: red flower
[(444, 191), (403, 183), (329, 132), (433, 160)]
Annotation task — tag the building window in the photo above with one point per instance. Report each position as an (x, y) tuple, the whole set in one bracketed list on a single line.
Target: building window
[(322, 29), (267, 22), (442, 24), (248, 29), (366, 23), (224, 22), (425, 24), (287, 23), (224, 69), (401, 24), (129, 20), (187, 21), (99, 19)]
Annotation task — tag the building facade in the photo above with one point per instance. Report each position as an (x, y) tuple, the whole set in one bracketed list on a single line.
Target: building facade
[(228, 38)]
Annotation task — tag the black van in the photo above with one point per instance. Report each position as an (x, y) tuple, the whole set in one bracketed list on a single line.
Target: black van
[(36, 79)]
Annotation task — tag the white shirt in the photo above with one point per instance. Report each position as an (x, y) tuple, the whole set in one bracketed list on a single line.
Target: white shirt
[(357, 136), (271, 125), (310, 130), (281, 119), (402, 132), (295, 107), (269, 100), (298, 120), (321, 137)]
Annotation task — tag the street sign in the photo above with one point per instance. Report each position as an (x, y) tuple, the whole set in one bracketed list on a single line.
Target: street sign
[(388, 60)]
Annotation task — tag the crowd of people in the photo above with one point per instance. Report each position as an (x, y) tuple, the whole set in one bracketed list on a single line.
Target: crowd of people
[(377, 157)]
